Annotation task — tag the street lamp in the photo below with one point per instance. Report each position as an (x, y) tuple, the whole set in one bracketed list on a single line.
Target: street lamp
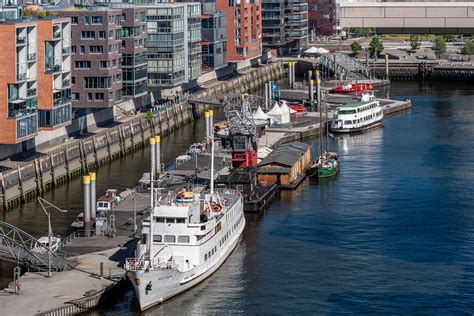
[(50, 231)]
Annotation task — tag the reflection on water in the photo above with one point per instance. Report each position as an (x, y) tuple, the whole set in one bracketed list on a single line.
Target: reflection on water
[(392, 233)]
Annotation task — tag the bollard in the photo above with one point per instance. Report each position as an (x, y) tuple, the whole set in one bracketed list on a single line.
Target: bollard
[(270, 93), (93, 196), (386, 66), (157, 154), (311, 94), (152, 155), (206, 115), (86, 181), (266, 96), (101, 269), (294, 73), (211, 123), (310, 75)]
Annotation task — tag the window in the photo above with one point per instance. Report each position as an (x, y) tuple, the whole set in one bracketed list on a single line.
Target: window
[(104, 64), (181, 220), (205, 256), (74, 20), (170, 238), (87, 20), (73, 80), (170, 220), (156, 238), (75, 96), (87, 35), (183, 239), (89, 97), (73, 49), (97, 20), (114, 63), (97, 82), (160, 219), (99, 96), (82, 64), (83, 49), (101, 34), (96, 49)]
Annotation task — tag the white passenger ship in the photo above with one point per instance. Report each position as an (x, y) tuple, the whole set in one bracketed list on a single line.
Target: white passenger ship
[(358, 116), (193, 234)]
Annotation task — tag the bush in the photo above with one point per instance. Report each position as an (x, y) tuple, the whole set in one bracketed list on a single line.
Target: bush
[(415, 42), (41, 14), (439, 46), (468, 48), (375, 46), (356, 47)]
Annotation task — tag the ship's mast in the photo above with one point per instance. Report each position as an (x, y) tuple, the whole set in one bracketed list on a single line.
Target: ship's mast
[(212, 164), (318, 80), (150, 238)]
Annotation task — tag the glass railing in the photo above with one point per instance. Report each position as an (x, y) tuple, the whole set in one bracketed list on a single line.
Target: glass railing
[(31, 92), (52, 68), (57, 34), (26, 126), (21, 76), (66, 50), (31, 56), (66, 83), (60, 101), (23, 108), (21, 40)]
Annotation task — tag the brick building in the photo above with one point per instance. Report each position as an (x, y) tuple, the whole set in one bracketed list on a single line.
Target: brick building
[(96, 34), (244, 31), (35, 81)]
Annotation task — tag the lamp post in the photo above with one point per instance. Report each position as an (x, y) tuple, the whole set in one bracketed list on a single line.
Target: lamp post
[(42, 202)]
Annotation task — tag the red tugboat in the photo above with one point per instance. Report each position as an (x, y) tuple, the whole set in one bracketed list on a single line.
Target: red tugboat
[(297, 107), (349, 87)]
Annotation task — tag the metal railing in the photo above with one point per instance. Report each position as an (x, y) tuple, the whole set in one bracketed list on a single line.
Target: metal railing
[(21, 40), (31, 56)]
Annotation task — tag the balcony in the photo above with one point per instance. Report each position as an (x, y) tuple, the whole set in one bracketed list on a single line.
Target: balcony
[(57, 34), (61, 101), (21, 40), (21, 76), (31, 92), (26, 126), (19, 108), (52, 68), (66, 50), (66, 83), (31, 57)]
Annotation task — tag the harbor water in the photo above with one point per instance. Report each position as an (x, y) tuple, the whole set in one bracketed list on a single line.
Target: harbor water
[(393, 232)]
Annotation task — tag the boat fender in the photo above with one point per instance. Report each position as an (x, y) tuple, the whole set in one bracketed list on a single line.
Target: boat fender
[(137, 282)]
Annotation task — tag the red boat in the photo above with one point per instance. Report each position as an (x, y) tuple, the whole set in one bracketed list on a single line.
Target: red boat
[(296, 107), (348, 87)]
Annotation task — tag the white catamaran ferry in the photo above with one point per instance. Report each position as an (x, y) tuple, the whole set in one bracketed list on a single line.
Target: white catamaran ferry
[(358, 116), (193, 234)]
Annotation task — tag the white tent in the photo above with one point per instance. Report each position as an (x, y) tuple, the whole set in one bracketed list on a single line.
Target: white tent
[(260, 117), (316, 50), (275, 113), (285, 111)]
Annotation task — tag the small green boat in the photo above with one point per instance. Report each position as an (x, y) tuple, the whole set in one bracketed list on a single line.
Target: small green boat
[(325, 167), (327, 164)]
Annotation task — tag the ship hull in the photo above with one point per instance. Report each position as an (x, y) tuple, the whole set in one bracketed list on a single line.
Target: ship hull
[(156, 286)]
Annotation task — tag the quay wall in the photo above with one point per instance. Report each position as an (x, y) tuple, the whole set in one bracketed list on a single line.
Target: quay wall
[(24, 180), (424, 69)]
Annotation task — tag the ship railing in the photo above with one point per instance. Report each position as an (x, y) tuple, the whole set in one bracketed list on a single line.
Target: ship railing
[(135, 264)]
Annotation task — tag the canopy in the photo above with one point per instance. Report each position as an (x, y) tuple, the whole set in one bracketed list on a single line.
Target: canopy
[(316, 50), (259, 116), (276, 113), (285, 111)]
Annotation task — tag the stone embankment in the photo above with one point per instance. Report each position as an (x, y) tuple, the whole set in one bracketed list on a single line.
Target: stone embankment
[(23, 180)]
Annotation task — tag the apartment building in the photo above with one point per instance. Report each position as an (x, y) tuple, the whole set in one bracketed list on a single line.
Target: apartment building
[(273, 25), (173, 45), (214, 39), (96, 34), (321, 16), (296, 14), (244, 31), (35, 81), (134, 57), (285, 25)]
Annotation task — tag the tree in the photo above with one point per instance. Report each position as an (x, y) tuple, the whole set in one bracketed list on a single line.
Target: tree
[(365, 31), (468, 48), (449, 37), (149, 116), (375, 46), (356, 47), (439, 46), (415, 42)]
